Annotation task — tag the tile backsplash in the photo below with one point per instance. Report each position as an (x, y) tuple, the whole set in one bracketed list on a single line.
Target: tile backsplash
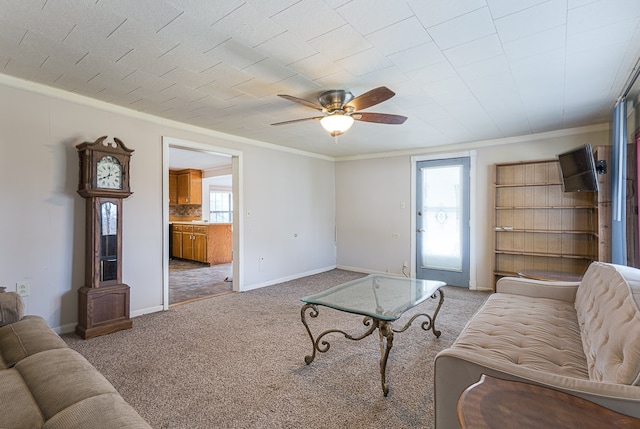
[(185, 211)]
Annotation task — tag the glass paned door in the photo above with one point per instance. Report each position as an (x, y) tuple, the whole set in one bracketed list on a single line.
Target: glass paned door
[(443, 221)]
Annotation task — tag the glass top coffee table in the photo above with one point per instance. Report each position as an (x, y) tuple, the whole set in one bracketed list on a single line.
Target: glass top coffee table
[(381, 300)]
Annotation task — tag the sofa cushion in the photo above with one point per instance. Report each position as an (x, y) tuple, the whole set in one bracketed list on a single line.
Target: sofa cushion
[(609, 321), (536, 333), (106, 411), (24, 338), (59, 378), (18, 409), (11, 308)]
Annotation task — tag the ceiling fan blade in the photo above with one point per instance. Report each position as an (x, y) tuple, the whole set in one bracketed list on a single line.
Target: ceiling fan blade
[(379, 118), (317, 118), (370, 98), (301, 101)]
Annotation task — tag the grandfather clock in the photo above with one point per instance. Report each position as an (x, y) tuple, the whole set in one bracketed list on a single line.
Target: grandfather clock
[(103, 301)]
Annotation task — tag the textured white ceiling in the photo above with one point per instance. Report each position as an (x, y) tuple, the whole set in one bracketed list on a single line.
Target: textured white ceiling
[(462, 71)]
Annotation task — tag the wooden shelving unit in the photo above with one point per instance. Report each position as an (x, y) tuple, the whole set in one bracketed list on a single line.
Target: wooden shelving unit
[(537, 225)]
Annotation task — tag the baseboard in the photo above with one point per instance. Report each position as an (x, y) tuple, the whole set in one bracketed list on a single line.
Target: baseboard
[(472, 284), (65, 329), (71, 327), (286, 279), (146, 311), (363, 270)]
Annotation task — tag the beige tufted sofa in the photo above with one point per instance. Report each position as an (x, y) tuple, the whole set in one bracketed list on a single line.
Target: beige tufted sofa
[(580, 338), (45, 384)]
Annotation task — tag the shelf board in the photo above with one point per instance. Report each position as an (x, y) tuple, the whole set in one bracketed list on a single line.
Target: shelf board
[(545, 207), (545, 255), (548, 231), (525, 185), (505, 274)]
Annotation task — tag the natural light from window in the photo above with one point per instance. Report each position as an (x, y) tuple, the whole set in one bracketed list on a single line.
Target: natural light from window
[(220, 206)]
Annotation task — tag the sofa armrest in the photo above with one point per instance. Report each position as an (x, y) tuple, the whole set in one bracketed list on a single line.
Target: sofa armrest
[(564, 291), (457, 369), (11, 308)]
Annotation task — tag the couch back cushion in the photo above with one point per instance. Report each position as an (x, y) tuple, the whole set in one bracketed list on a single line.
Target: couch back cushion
[(24, 338), (609, 318)]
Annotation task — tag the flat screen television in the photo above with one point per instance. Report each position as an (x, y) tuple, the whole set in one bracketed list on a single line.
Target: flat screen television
[(578, 170)]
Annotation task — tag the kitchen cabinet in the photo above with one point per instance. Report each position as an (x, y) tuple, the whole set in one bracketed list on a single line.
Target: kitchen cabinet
[(176, 241), (189, 242), (211, 244), (173, 188), (198, 244), (185, 187)]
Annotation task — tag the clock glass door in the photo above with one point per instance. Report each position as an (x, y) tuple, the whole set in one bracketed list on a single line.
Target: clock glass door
[(108, 241)]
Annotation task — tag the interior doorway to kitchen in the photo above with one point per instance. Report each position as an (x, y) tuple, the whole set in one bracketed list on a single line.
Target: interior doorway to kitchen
[(201, 225)]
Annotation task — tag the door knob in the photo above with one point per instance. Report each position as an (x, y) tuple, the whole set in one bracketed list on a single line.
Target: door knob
[(421, 230)]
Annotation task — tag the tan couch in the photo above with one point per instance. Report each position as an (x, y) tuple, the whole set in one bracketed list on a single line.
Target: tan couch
[(580, 338), (45, 384)]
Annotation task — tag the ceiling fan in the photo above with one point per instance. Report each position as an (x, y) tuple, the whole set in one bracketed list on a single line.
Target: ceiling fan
[(341, 108)]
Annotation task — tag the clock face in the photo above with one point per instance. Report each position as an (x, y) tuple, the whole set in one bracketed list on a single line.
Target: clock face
[(109, 173)]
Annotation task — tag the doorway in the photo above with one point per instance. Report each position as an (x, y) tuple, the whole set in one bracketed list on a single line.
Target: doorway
[(188, 278), (443, 220), (200, 247)]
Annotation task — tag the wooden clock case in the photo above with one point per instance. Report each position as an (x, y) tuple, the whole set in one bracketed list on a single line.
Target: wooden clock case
[(103, 301)]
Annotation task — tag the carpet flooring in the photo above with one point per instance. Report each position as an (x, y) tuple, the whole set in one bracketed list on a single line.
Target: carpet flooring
[(190, 280), (237, 361)]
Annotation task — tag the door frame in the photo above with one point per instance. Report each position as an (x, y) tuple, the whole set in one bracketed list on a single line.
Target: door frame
[(458, 277), (238, 204), (473, 231)]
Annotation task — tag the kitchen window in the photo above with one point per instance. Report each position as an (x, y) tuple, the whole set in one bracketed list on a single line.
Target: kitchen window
[(220, 207)]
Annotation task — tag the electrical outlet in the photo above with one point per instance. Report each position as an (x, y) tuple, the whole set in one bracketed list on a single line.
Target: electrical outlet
[(22, 288)]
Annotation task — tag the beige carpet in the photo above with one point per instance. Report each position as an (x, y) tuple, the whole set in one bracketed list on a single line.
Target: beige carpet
[(237, 361)]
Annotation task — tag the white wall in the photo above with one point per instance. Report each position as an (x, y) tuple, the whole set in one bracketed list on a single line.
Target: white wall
[(369, 193), (298, 204), (42, 218), (369, 198), (285, 196)]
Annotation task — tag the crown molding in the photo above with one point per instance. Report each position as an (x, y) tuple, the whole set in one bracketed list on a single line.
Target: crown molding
[(484, 143), (84, 100), (49, 91)]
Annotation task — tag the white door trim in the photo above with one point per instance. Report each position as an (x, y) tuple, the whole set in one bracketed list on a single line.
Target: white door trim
[(238, 236), (471, 154)]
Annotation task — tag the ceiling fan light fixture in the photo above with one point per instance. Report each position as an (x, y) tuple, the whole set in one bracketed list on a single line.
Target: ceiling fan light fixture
[(336, 124)]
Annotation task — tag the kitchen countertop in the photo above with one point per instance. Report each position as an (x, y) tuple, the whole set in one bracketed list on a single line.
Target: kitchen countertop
[(195, 222)]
